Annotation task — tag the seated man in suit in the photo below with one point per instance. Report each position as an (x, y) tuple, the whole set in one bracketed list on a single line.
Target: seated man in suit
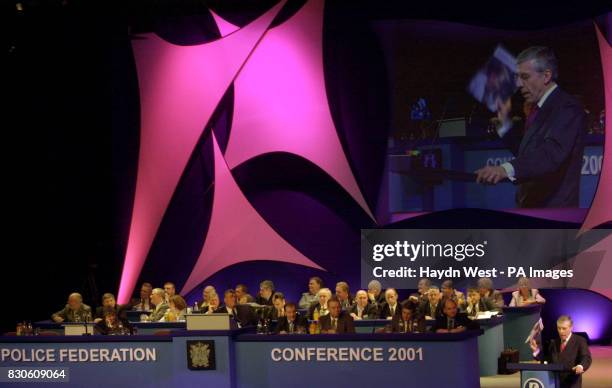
[(242, 314), (486, 290), (391, 308), (343, 294), (476, 304), (362, 309), (292, 322), (170, 290), (278, 302), (432, 308), (337, 321), (409, 321), (319, 309), (158, 299), (569, 349), (109, 302), (421, 295), (375, 294), (111, 323), (309, 298), (242, 293), (144, 302), (448, 291), (266, 291), (453, 321), (75, 310)]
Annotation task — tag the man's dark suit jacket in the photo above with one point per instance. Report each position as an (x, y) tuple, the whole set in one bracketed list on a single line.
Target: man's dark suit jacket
[(425, 310), (461, 319), (576, 352), (369, 312), (345, 323), (313, 307), (283, 324), (395, 325), (263, 301), (120, 310), (244, 314), (483, 305), (549, 155), (385, 311)]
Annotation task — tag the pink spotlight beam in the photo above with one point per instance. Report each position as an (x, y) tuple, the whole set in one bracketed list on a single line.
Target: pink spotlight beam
[(180, 86), (237, 233), (281, 103)]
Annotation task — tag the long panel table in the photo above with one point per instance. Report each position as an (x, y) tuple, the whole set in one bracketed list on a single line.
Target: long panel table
[(238, 358)]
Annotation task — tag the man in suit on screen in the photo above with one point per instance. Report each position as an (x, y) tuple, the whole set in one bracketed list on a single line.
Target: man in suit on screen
[(569, 349), (549, 153)]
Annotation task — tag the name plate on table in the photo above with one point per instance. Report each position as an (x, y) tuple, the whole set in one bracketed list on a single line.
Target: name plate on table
[(208, 321), (78, 328)]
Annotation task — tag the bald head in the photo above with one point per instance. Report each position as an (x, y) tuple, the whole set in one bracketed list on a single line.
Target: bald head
[(75, 300), (361, 297)]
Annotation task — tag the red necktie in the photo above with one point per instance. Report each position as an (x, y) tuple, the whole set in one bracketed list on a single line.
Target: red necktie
[(531, 118), (563, 345)]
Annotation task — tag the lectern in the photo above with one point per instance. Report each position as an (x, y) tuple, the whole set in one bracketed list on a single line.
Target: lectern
[(538, 375)]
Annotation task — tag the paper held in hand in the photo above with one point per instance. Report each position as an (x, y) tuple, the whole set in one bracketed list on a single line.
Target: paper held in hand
[(535, 330)]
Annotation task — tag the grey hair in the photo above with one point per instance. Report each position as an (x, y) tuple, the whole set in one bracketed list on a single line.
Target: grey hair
[(267, 284), (375, 284), (523, 282), (564, 318), (485, 283), (324, 291), (544, 59), (76, 295), (159, 291), (390, 289)]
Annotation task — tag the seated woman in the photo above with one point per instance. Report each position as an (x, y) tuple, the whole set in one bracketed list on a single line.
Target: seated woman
[(526, 296), (206, 293), (213, 303), (176, 310)]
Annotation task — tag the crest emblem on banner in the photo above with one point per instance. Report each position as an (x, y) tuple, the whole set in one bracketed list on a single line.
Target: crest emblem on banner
[(201, 355)]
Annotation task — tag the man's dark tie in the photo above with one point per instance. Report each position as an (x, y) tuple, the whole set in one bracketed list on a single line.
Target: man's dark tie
[(563, 345), (531, 117)]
